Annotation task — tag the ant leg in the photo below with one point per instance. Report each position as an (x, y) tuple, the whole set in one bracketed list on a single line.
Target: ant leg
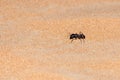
[(84, 40), (81, 41), (71, 40)]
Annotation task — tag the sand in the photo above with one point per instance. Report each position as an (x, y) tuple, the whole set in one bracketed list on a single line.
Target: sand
[(35, 45)]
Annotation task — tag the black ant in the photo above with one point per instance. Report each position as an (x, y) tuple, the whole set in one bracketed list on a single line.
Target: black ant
[(77, 36)]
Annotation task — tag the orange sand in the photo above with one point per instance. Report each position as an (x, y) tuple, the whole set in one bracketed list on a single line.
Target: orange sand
[(35, 45)]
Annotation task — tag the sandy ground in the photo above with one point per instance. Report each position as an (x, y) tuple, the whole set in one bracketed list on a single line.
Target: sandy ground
[(35, 45)]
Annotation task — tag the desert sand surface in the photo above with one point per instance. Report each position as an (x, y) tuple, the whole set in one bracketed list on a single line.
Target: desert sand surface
[(35, 44)]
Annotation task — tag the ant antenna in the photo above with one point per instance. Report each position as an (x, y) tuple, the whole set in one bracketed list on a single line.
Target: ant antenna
[(80, 32)]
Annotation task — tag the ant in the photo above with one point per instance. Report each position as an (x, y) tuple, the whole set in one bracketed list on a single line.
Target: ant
[(77, 36)]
